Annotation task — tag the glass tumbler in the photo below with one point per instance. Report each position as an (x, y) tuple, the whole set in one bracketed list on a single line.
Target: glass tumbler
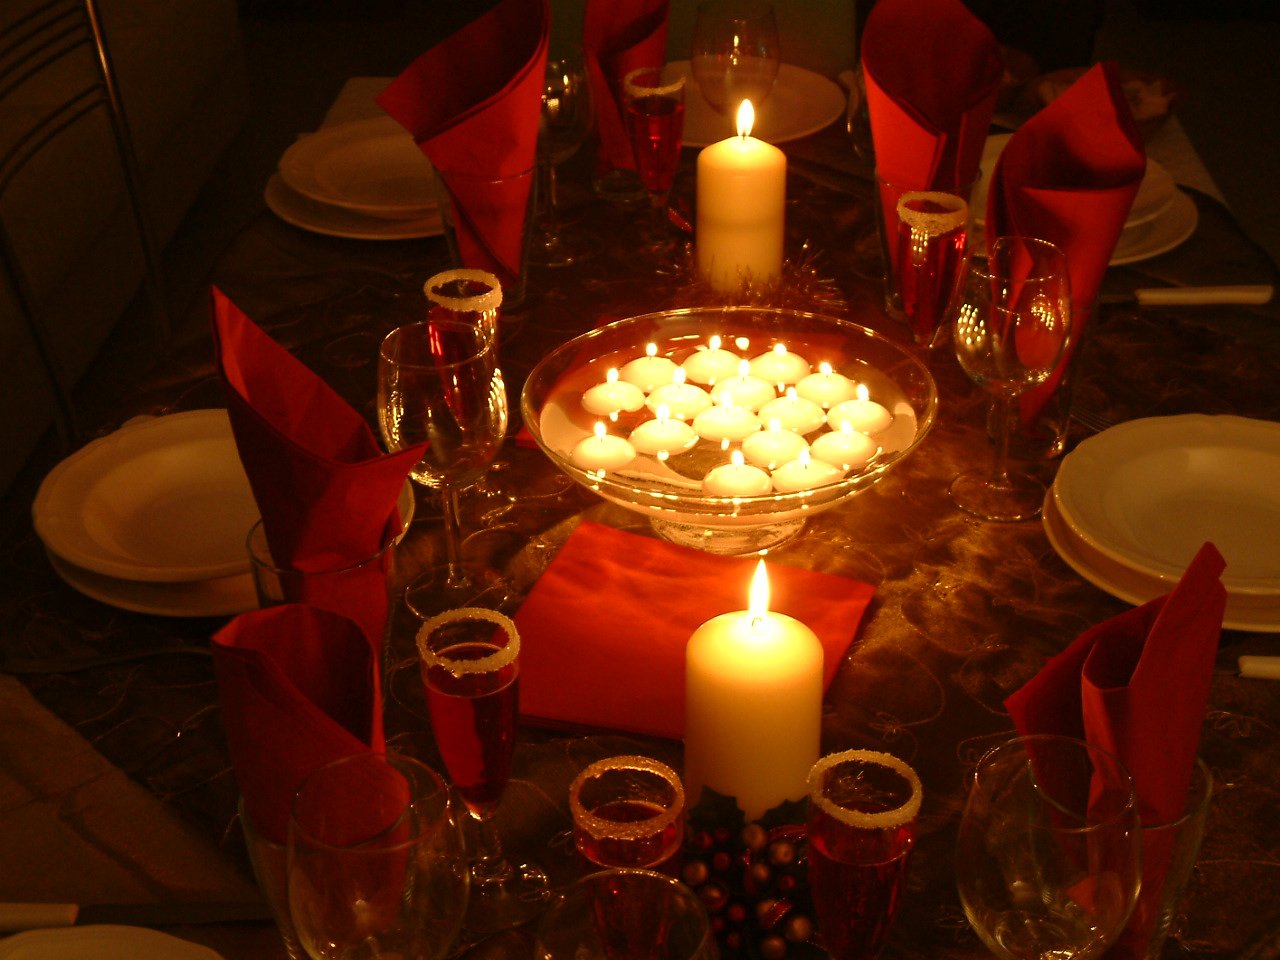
[(628, 811)]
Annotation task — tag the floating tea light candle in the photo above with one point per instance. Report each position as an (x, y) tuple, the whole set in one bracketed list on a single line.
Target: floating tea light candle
[(805, 473), (650, 371), (744, 390), (794, 412), (780, 366), (683, 401), (845, 447), (602, 452), (725, 422), (737, 478), (826, 388), (776, 445), (663, 436), (861, 413), (613, 396), (711, 364)]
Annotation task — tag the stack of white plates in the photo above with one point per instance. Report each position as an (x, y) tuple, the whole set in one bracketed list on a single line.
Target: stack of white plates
[(1131, 506), (365, 179), (1161, 218)]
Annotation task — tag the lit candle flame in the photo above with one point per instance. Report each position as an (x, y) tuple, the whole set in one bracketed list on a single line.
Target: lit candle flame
[(863, 392), (746, 119), (780, 348), (664, 413), (600, 430), (678, 377), (758, 603), (775, 423), (612, 375), (824, 368), (744, 368), (651, 350), (714, 342), (737, 458), (791, 393), (742, 343)]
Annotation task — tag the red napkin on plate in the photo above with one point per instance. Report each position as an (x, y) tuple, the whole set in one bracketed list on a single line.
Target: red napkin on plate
[(619, 36), (1138, 686), (932, 72), (603, 631), (473, 103), (1069, 176), (299, 688)]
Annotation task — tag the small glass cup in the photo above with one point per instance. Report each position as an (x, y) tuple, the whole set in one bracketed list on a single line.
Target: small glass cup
[(628, 811), (488, 225), (268, 861)]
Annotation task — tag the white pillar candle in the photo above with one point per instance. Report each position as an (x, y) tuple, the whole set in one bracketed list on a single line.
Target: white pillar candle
[(650, 371), (780, 366), (845, 447), (741, 208), (805, 473), (861, 413), (725, 422), (602, 452), (663, 436), (794, 412), (753, 705), (737, 478), (683, 401), (744, 390), (770, 448), (712, 363), (826, 388), (613, 396)]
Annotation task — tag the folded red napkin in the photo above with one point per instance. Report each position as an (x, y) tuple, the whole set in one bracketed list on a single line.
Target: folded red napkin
[(299, 688), (619, 36), (932, 72), (603, 631), (1069, 176), (473, 103), (1138, 686)]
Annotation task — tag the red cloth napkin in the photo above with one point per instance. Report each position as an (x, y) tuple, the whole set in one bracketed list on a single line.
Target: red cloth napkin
[(299, 688), (1138, 686), (603, 632), (1069, 176), (932, 72), (619, 36), (473, 103)]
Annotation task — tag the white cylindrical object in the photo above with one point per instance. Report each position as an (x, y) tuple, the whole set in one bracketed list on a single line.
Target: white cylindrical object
[(1259, 667), (741, 210)]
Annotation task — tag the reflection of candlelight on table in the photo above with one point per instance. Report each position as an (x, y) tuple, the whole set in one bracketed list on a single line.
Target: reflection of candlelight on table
[(794, 412), (711, 364), (780, 366), (845, 447), (826, 388), (725, 422), (744, 390), (650, 371), (613, 396), (804, 473), (737, 478), (663, 436), (753, 705), (683, 401), (602, 452), (776, 445), (860, 413)]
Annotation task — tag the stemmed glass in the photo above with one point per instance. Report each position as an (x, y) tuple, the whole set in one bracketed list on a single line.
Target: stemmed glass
[(564, 126), (1048, 859), (655, 122), (439, 382), (1010, 325), (735, 53), (470, 663)]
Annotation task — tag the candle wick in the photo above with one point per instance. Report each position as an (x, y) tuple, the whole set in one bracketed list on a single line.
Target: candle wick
[(756, 621)]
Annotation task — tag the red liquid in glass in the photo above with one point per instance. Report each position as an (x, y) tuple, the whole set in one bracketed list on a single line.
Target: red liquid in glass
[(857, 877), (652, 851), (657, 130), (474, 720), (929, 266)]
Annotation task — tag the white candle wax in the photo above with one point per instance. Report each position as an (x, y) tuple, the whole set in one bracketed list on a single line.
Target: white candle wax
[(609, 398), (737, 478), (602, 452), (826, 388), (663, 435), (741, 208), (650, 371), (794, 412), (684, 401), (753, 706), (744, 390), (769, 448), (845, 447), (860, 413), (805, 473), (711, 364), (780, 366), (724, 421)]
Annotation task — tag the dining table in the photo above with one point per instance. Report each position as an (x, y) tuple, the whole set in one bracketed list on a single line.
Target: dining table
[(115, 781)]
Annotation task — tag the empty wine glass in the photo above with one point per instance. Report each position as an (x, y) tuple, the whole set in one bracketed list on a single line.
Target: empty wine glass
[(1048, 858), (655, 122), (735, 53), (439, 382), (1010, 325), (470, 663), (564, 126)]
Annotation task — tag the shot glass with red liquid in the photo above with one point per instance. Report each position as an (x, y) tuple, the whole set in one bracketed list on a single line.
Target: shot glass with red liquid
[(628, 811)]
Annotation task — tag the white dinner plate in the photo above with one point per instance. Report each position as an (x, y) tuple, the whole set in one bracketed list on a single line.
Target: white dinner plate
[(220, 597), (307, 214), (1259, 614), (160, 500), (1148, 493), (101, 942), (369, 166), (802, 103)]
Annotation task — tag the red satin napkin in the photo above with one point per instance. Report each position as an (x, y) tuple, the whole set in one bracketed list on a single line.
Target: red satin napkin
[(603, 632), (473, 103), (619, 36), (1069, 176), (932, 72), (299, 688)]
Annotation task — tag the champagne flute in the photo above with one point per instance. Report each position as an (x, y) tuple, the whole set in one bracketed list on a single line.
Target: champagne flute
[(1048, 857), (1010, 327), (439, 382), (735, 53), (655, 122), (565, 123), (470, 664)]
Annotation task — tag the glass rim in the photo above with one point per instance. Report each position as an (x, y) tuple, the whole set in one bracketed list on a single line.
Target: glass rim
[(1199, 798), (614, 829), (584, 885), (483, 345), (663, 89), (473, 303), (885, 819), (1048, 246), (502, 657), (267, 563)]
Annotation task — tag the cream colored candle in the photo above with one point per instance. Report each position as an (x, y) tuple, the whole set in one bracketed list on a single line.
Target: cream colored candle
[(753, 705), (741, 201)]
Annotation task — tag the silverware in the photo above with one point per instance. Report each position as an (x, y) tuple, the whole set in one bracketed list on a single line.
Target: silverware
[(33, 916), (1260, 667), (1193, 296)]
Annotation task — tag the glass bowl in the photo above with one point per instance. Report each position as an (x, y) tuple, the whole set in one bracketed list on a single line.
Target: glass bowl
[(670, 491)]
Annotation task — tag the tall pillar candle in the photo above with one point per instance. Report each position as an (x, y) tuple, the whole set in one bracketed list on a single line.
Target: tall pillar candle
[(741, 201), (753, 705)]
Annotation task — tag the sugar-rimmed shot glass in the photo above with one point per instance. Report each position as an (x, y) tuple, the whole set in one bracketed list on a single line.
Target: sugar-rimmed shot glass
[(628, 811)]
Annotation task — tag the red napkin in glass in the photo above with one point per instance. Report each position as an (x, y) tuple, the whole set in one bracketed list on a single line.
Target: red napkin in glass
[(603, 632), (619, 36), (299, 688), (932, 72), (1069, 176), (1138, 686), (473, 103)]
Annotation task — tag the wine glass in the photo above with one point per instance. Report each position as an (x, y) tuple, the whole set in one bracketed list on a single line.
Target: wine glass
[(735, 53), (1010, 325), (439, 382), (376, 866), (1048, 859), (655, 122), (470, 663), (563, 127)]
